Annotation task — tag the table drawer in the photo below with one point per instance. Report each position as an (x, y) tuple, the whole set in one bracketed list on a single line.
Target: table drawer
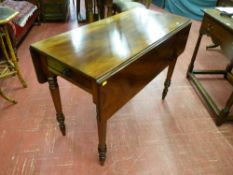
[(219, 34), (69, 74), (214, 28)]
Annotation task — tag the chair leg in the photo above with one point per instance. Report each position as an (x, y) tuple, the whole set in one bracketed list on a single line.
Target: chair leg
[(164, 4), (7, 98), (78, 12), (13, 58)]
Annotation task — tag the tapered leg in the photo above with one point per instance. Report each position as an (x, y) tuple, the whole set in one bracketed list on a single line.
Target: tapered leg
[(89, 11), (54, 90), (7, 98), (109, 7), (79, 17), (4, 49), (101, 9), (13, 57), (225, 111), (163, 4), (212, 46), (191, 65), (167, 82), (102, 147), (229, 68)]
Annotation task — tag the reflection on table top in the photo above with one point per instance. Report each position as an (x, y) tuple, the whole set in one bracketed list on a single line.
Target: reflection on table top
[(114, 41)]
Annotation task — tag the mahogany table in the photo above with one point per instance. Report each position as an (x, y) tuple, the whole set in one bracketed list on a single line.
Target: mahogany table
[(112, 59)]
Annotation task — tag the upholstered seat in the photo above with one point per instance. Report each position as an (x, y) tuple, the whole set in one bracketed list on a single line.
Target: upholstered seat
[(8, 62), (28, 13)]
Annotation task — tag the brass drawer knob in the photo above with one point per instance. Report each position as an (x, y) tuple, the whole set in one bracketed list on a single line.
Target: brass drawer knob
[(66, 72)]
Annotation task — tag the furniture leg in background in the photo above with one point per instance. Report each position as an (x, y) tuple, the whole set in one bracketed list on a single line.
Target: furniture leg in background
[(95, 10), (78, 5), (109, 7), (89, 11), (215, 26), (8, 64)]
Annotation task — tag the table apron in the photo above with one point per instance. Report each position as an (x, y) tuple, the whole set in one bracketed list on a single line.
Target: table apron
[(219, 34), (126, 83)]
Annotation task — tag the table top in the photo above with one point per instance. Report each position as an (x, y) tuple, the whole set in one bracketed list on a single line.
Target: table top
[(226, 21), (7, 14), (102, 48)]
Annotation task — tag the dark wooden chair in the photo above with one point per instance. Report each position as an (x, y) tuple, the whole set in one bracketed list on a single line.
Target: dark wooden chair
[(222, 3)]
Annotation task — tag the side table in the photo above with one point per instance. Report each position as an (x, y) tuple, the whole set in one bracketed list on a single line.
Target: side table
[(220, 29)]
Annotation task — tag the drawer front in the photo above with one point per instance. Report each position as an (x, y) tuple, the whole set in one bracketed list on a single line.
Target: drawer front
[(69, 74), (219, 33)]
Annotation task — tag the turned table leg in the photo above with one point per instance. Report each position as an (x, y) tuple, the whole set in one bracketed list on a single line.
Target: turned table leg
[(55, 93), (167, 82), (13, 57), (7, 98), (102, 147), (225, 111)]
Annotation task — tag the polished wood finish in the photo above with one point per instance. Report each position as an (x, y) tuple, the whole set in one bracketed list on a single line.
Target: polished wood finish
[(8, 63), (112, 59), (220, 29)]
